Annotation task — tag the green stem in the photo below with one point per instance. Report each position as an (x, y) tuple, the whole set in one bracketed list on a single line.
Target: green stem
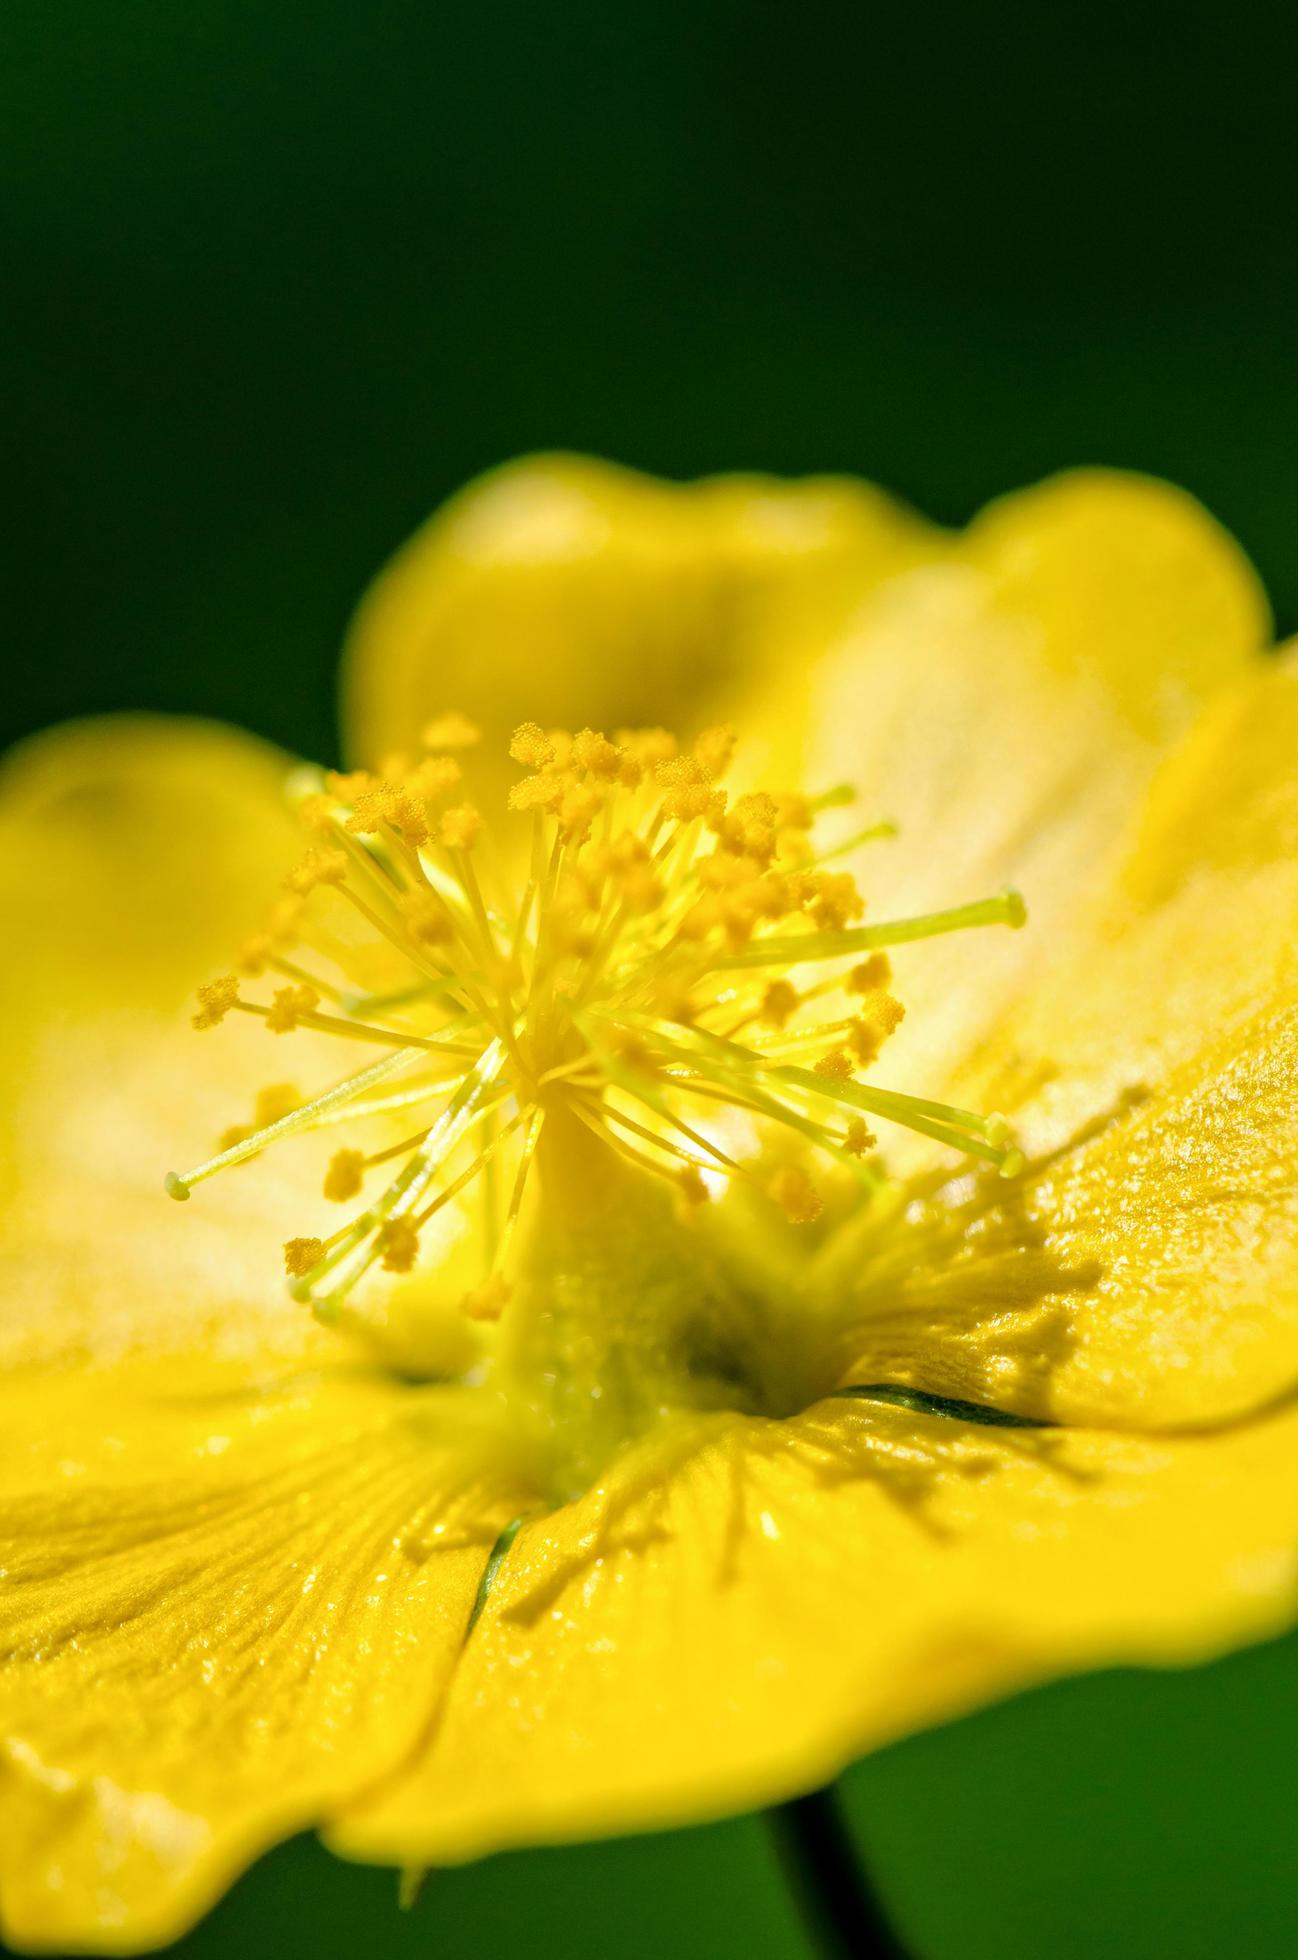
[(829, 1881)]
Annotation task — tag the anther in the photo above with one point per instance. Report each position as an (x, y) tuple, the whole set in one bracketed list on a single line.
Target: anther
[(714, 751), (531, 746), (318, 867), (459, 827), (300, 1255), (215, 1001), (344, 1176), (779, 1002), (398, 1245), (288, 1004), (871, 974), (451, 731), (796, 1195)]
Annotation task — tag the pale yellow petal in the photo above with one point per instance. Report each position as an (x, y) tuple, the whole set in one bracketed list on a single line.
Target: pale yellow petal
[(1006, 706), (568, 591), (222, 1614), (1145, 1271), (731, 1627), (135, 855), (135, 852)]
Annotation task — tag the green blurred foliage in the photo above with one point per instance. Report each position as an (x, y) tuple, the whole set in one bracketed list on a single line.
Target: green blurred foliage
[(1119, 1817), (1130, 1816), (281, 276)]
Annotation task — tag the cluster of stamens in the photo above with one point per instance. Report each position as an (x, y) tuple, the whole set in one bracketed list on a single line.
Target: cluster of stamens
[(676, 967)]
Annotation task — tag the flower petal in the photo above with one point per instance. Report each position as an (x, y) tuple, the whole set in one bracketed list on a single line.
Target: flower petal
[(731, 1627), (222, 1614), (1145, 1271), (568, 591), (135, 854), (1006, 706)]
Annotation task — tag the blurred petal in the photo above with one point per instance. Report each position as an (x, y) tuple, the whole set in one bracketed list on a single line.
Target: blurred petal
[(222, 1614), (1006, 705), (134, 851), (135, 854), (733, 1626), (1146, 1270), (568, 591)]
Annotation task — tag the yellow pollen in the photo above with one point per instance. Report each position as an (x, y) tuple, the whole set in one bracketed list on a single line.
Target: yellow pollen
[(274, 1101), (796, 1195), (794, 812), (345, 787), (451, 731), (837, 901), (714, 751), (671, 957), (488, 1301), (436, 776), (343, 1177), (648, 746), (215, 1001), (288, 1004), (537, 793), (318, 867), (388, 804), (595, 754), (459, 827), (531, 746), (254, 955), (867, 1035), (871, 974), (317, 812), (779, 1002), (691, 1186), (427, 919), (578, 807), (398, 1245), (300, 1255), (688, 791)]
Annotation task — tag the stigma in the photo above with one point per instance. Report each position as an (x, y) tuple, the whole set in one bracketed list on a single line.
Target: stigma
[(629, 949)]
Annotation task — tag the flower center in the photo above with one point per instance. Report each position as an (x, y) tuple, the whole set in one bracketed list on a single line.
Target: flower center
[(676, 994)]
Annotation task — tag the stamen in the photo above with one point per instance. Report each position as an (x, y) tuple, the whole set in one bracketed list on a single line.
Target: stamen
[(870, 835), (649, 959), (345, 1175), (180, 1185), (451, 731), (796, 1195), (402, 1197), (1005, 909)]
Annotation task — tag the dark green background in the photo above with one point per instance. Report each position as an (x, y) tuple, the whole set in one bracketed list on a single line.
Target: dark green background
[(280, 276)]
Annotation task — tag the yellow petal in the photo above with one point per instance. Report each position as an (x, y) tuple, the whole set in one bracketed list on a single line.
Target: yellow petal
[(567, 591), (1006, 705), (135, 854), (785, 1596), (222, 1615), (1146, 1270)]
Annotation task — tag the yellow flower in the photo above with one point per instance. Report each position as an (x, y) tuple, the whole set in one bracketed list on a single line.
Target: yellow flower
[(768, 1434)]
